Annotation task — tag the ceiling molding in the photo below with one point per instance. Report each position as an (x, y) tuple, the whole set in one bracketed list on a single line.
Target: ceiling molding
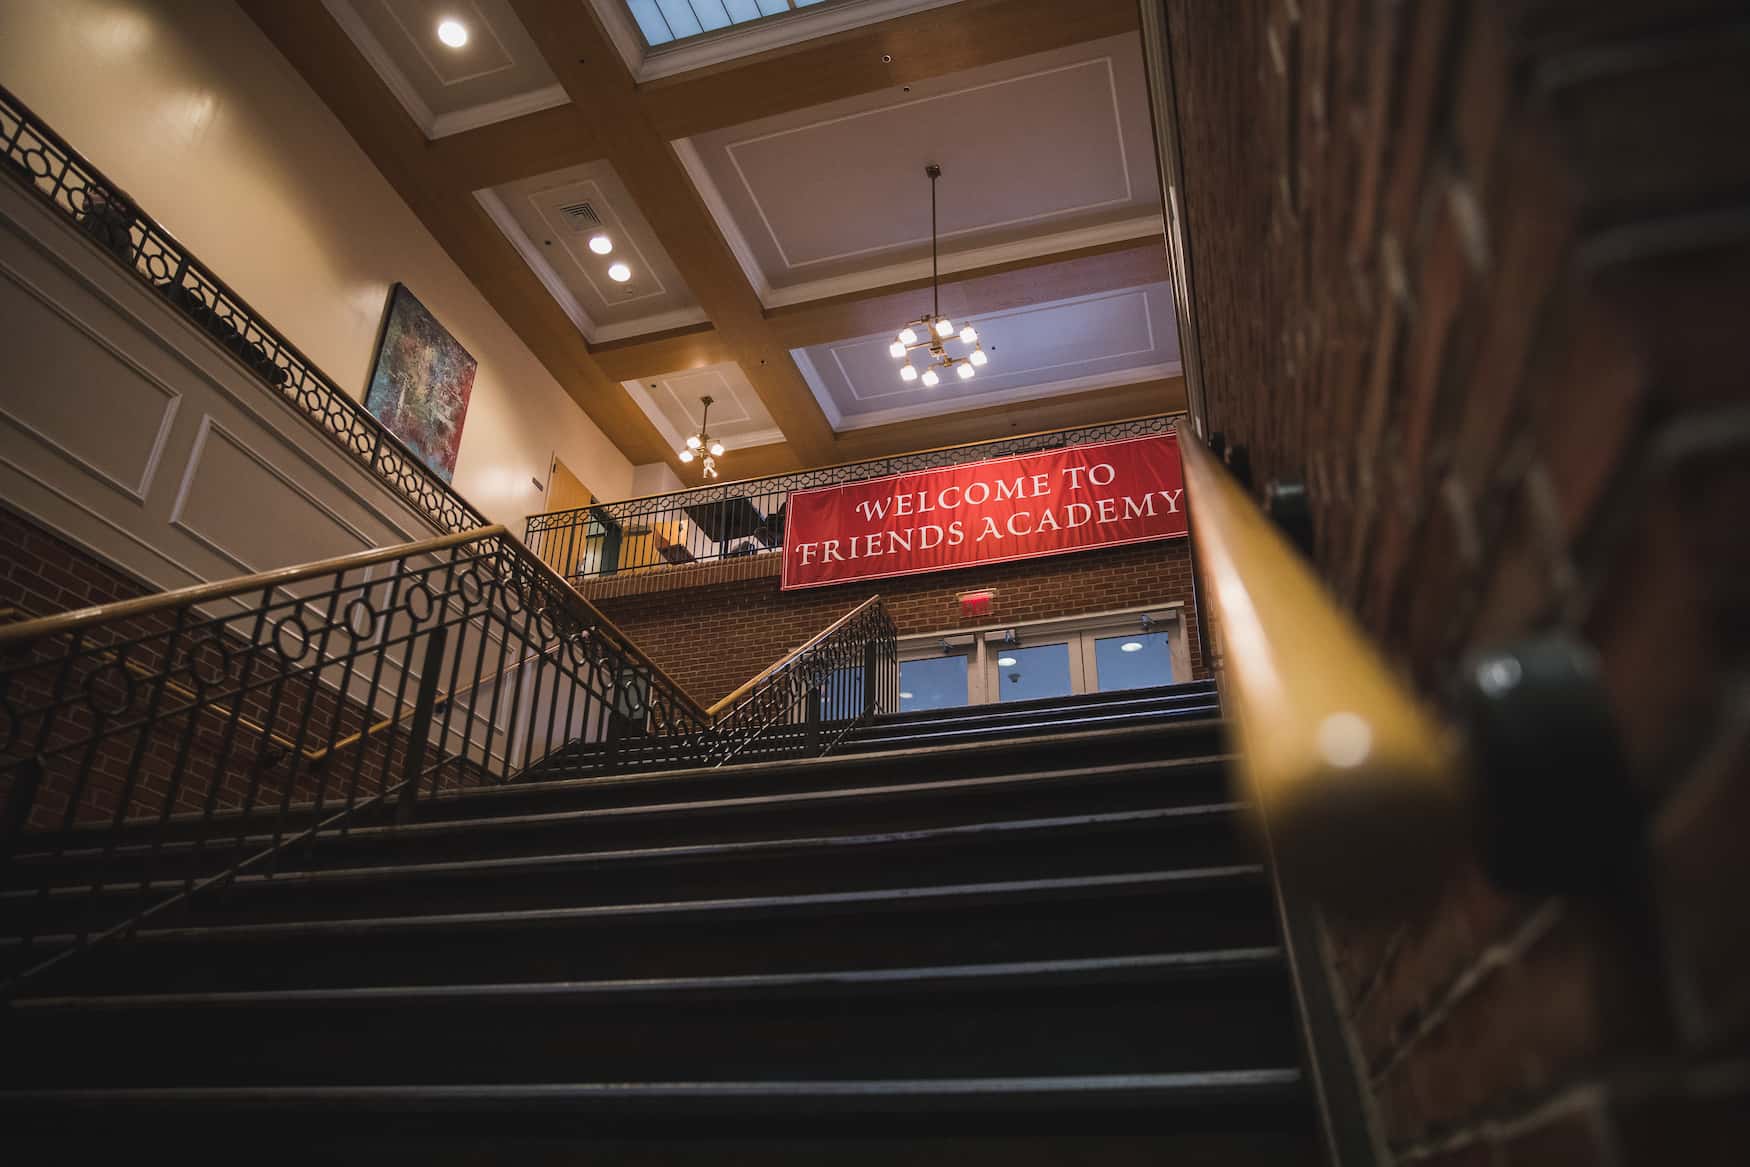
[(870, 279), (927, 409), (751, 439), (745, 40), (492, 112), (433, 125), (538, 263)]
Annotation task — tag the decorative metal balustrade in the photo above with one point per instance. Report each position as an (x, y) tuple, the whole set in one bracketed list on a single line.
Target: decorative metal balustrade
[(809, 701), (39, 159), (161, 748), (737, 519), (155, 751)]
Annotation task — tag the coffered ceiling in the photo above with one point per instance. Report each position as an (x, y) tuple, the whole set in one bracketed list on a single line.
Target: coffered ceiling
[(672, 403), (1040, 350), (551, 220), (498, 74), (1040, 155), (772, 207)]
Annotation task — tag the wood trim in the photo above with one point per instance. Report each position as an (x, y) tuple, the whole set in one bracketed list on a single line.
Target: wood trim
[(1359, 787)]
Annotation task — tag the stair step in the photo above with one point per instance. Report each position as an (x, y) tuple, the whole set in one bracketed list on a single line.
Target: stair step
[(1080, 1017), (1155, 744), (436, 835), (1062, 845), (1066, 918), (1155, 966), (1163, 705)]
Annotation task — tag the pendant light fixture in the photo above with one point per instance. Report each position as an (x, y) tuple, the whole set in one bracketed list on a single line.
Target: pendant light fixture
[(932, 333), (703, 445)]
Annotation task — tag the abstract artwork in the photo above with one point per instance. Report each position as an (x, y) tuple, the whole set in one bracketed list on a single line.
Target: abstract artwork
[(421, 382)]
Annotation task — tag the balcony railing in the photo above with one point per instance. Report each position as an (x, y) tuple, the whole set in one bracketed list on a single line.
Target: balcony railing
[(734, 520), (40, 160)]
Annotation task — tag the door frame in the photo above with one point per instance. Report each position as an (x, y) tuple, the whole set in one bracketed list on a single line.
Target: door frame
[(980, 642)]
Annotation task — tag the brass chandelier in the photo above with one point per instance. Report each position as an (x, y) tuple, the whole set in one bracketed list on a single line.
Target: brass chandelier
[(933, 333), (703, 445)]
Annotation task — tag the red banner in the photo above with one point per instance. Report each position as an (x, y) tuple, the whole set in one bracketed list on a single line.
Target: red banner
[(1026, 505)]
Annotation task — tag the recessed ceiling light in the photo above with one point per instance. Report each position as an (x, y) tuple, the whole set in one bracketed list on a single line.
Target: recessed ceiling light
[(619, 273), (1005, 662), (1131, 646), (453, 33), (904, 696), (600, 244)]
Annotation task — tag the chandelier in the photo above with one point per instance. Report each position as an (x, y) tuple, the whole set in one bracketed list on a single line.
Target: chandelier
[(702, 444), (933, 332)]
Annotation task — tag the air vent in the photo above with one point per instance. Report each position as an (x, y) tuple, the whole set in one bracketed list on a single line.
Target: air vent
[(581, 215)]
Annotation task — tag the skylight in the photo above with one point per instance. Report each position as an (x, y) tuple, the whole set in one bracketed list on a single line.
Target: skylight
[(666, 21)]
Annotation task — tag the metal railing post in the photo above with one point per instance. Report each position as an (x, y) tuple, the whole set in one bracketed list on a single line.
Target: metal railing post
[(811, 721), (20, 801), (429, 674), (871, 659)]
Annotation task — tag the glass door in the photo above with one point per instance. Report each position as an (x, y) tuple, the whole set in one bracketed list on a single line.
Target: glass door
[(940, 677), (1129, 660), (1023, 669)]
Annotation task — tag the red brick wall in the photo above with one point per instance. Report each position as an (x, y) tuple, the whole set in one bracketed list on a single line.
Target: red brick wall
[(1479, 274), (713, 637), (41, 574)]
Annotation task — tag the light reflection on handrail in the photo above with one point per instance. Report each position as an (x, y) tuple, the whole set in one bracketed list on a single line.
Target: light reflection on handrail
[(1358, 785)]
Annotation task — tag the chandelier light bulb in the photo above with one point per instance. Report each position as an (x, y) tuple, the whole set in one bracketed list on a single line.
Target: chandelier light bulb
[(600, 244), (619, 273), (453, 33), (717, 449), (686, 455), (965, 371), (944, 328), (908, 335), (896, 350), (907, 373), (694, 443), (968, 335), (931, 379), (978, 358)]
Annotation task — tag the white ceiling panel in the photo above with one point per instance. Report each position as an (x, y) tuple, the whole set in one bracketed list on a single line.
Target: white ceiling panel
[(1041, 350), (498, 74), (738, 416), (1039, 154), (550, 219)]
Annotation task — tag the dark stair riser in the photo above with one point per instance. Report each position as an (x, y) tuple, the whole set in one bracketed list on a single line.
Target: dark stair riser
[(1232, 1022), (1140, 710), (542, 792), (724, 820), (724, 941), (985, 850)]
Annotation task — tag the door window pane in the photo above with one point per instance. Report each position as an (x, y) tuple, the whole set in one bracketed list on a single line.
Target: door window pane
[(1135, 661), (933, 682), (1025, 673)]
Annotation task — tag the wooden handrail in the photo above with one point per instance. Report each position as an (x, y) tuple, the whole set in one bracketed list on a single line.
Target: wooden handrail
[(743, 689), (1359, 786), (77, 618)]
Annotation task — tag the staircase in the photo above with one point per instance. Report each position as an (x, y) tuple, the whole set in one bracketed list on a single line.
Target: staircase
[(1031, 934)]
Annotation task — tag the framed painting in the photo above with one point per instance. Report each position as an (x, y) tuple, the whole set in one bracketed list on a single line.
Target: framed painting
[(420, 382)]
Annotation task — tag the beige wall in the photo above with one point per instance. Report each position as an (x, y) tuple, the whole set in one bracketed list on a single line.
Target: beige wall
[(186, 105)]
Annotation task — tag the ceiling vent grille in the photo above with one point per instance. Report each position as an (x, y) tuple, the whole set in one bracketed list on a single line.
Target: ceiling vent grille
[(581, 216)]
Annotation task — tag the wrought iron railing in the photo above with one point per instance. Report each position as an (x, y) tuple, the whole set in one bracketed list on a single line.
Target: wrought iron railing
[(153, 750), (737, 519), (38, 158), (807, 702)]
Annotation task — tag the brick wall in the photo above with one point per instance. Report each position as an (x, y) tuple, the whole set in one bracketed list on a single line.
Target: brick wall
[(1478, 273), (42, 574), (712, 637)]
